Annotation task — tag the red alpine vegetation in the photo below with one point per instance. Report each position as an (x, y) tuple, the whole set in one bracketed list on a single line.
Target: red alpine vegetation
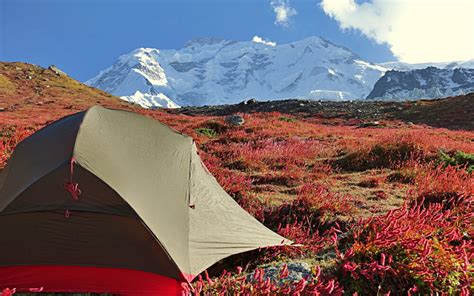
[(374, 209)]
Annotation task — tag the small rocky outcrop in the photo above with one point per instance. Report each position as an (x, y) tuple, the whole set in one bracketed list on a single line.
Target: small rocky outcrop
[(296, 272), (57, 71), (249, 102), (235, 120)]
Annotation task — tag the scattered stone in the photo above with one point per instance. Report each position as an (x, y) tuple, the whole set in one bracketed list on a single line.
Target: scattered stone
[(296, 272), (3, 109), (361, 110), (56, 70), (235, 120), (30, 77)]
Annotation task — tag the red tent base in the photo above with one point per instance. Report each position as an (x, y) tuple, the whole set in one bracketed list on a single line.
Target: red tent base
[(86, 279)]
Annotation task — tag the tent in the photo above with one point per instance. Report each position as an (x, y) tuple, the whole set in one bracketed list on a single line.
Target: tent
[(111, 201)]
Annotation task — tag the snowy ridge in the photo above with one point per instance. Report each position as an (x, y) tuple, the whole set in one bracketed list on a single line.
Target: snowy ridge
[(211, 71), (428, 83), (400, 66)]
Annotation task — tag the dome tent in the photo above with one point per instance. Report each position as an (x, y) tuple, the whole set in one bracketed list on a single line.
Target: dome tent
[(111, 201)]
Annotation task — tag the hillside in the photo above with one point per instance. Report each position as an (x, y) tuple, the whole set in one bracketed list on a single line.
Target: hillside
[(453, 112), (33, 95), (377, 207)]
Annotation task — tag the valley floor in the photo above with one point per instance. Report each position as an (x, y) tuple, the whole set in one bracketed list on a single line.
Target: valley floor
[(378, 202)]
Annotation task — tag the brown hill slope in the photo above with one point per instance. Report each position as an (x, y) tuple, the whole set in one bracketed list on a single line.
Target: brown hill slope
[(31, 94), (453, 112)]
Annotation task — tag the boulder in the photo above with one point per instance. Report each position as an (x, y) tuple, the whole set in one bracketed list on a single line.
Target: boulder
[(370, 124), (235, 120)]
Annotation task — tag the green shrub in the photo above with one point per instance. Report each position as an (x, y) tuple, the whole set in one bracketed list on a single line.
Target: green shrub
[(287, 119), (459, 158), (208, 132)]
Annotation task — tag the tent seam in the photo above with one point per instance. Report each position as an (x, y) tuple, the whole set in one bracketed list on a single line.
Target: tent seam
[(188, 204)]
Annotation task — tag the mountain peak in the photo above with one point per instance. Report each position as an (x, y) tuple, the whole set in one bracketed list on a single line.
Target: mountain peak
[(217, 71), (138, 56)]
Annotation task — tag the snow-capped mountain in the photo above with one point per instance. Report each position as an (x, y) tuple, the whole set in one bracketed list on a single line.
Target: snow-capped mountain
[(210, 71), (430, 82)]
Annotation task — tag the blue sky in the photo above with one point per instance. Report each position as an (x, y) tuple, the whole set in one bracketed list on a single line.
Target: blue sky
[(84, 37)]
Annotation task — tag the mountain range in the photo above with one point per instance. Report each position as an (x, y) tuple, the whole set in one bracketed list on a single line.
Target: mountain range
[(32, 96), (213, 71)]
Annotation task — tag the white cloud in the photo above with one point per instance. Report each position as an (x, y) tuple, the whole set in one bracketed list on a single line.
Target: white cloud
[(415, 30), (258, 39), (283, 12)]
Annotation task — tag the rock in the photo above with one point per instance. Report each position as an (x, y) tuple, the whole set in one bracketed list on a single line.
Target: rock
[(250, 102), (235, 120), (296, 272), (369, 124), (56, 70), (329, 255), (2, 109)]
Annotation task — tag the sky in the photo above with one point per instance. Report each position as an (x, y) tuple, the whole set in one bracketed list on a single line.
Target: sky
[(83, 37)]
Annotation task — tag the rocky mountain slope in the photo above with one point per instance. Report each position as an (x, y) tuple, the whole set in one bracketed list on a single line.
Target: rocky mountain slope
[(430, 82), (214, 71)]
